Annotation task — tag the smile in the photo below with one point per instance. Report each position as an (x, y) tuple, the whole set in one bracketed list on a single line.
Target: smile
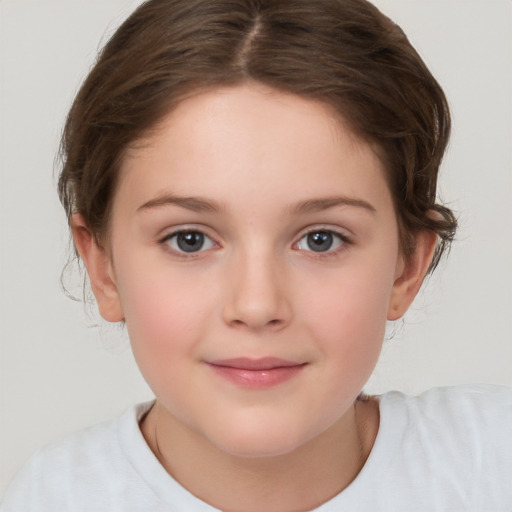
[(256, 373)]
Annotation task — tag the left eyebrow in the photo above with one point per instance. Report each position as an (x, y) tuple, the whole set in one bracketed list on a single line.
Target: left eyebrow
[(317, 205)]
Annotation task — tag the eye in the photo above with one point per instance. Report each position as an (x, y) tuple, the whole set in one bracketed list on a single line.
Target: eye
[(321, 241), (189, 241)]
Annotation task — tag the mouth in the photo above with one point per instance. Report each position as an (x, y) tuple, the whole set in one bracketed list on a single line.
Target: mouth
[(259, 373)]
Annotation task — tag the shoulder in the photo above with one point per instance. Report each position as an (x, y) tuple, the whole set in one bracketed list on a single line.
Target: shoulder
[(456, 407), (67, 471), (460, 434), (445, 449), (476, 416)]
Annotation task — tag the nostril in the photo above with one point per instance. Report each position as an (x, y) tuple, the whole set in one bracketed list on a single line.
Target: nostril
[(270, 324), (275, 324)]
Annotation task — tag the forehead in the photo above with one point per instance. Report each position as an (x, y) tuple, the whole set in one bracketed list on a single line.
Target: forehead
[(256, 140)]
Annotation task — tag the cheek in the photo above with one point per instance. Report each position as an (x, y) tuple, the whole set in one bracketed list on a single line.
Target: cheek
[(166, 314), (349, 318)]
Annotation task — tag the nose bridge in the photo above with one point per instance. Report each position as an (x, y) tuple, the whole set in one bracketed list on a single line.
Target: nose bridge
[(257, 297)]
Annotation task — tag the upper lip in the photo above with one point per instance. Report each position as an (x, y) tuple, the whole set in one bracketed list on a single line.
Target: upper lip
[(247, 363)]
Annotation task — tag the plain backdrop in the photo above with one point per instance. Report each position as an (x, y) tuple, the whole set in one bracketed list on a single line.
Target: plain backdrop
[(62, 369)]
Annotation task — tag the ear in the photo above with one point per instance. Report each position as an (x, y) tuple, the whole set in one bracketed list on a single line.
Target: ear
[(100, 269), (410, 274)]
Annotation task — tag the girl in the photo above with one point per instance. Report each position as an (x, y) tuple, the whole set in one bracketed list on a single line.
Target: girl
[(252, 188)]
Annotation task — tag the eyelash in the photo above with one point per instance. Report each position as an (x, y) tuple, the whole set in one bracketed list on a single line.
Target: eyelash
[(344, 243), (165, 241)]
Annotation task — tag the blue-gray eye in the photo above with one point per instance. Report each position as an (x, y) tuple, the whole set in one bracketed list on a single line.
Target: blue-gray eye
[(320, 241), (190, 241)]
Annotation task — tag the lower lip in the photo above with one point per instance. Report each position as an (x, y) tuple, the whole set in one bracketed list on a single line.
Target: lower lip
[(257, 379)]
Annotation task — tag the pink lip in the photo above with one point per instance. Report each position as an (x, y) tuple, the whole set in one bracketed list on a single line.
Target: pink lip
[(256, 373)]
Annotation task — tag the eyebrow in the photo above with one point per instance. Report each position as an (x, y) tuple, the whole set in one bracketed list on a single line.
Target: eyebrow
[(195, 204), (198, 204), (318, 205)]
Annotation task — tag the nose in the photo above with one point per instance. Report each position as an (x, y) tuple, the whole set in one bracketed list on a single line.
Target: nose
[(257, 298)]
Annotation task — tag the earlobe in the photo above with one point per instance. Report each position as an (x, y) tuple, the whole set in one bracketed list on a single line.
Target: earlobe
[(410, 275), (99, 268)]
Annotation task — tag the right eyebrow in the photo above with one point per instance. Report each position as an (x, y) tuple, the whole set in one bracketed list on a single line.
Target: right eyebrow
[(195, 204)]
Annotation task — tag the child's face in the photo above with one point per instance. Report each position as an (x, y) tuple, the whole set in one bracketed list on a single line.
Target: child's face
[(288, 249)]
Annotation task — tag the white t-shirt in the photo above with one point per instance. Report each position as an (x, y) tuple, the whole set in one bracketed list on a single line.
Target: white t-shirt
[(449, 449)]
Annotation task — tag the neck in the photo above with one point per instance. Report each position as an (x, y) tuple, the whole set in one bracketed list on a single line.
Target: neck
[(301, 480)]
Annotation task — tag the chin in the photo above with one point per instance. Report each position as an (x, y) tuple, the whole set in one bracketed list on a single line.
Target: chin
[(259, 448), (260, 439)]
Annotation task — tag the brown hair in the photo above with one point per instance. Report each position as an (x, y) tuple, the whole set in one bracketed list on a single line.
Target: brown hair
[(344, 53)]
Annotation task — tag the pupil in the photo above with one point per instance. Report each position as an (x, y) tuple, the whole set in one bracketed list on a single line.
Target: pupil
[(190, 242), (320, 241)]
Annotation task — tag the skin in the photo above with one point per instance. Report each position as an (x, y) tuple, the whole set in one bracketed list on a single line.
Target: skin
[(268, 168)]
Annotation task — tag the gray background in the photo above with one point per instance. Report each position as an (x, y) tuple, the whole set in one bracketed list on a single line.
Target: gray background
[(60, 373)]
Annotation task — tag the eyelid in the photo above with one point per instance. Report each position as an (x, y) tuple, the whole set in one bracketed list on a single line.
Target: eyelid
[(172, 232), (346, 240), (342, 232), (169, 231)]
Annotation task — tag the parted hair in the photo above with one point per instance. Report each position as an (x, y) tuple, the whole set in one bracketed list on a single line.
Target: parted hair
[(343, 53)]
